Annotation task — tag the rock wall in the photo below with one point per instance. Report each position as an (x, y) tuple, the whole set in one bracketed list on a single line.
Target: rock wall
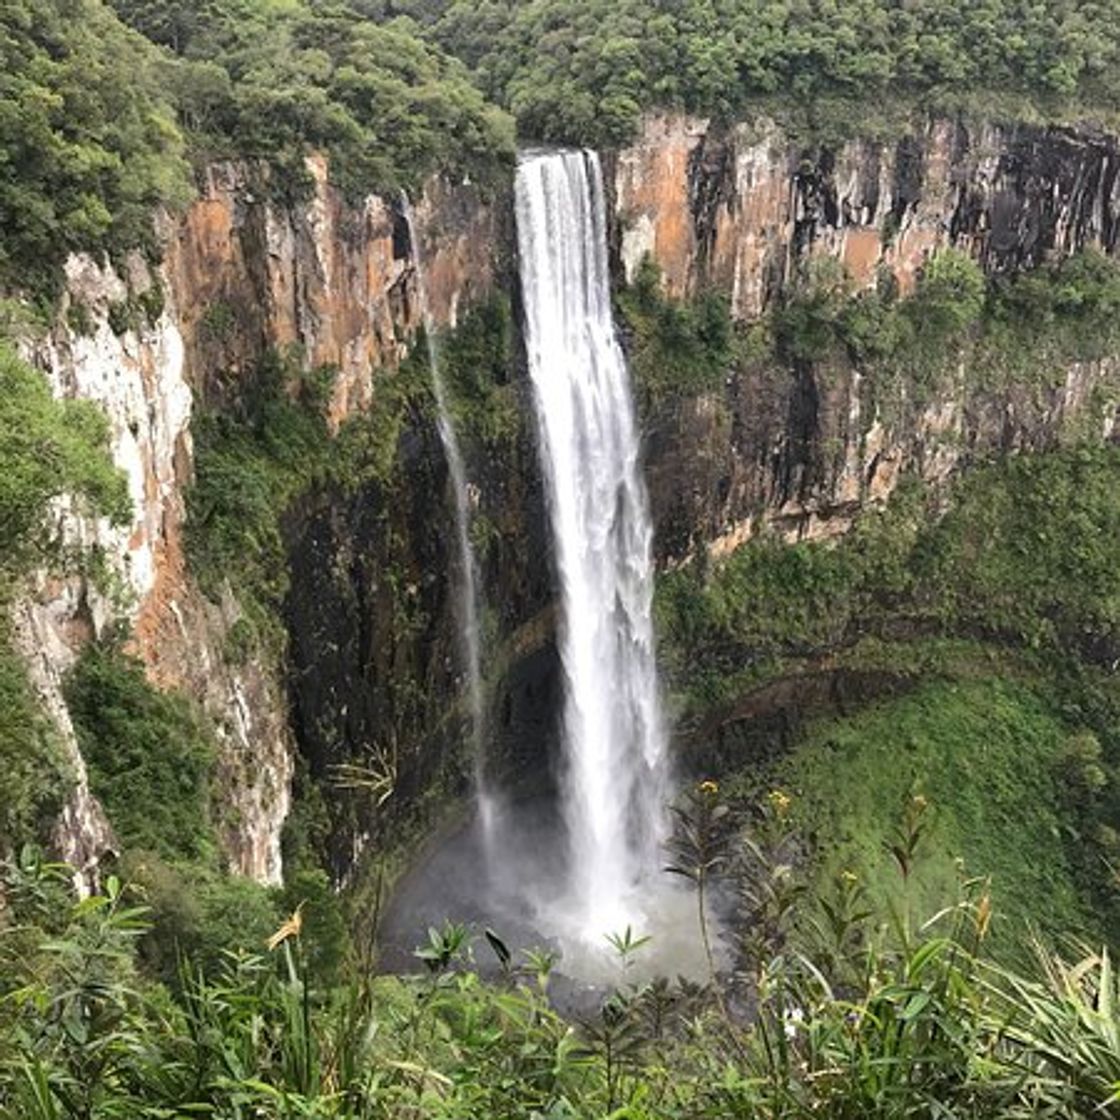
[(372, 614), (241, 274), (138, 379), (336, 280), (799, 449), (801, 453), (738, 210)]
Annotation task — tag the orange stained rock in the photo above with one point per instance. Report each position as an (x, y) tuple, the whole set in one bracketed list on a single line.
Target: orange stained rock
[(861, 252), (652, 182)]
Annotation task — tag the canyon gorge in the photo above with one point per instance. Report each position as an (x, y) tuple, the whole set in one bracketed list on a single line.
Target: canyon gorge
[(367, 667), (559, 559)]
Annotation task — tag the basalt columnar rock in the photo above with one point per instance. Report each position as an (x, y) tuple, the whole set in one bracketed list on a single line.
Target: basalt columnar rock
[(736, 208), (740, 209), (733, 209)]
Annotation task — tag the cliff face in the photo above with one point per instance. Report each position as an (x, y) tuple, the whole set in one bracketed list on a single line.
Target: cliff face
[(802, 452), (333, 279), (737, 208), (740, 210), (371, 671), (138, 378), (240, 275)]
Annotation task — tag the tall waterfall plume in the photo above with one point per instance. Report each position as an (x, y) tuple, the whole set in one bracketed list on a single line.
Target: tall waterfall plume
[(469, 602), (614, 744)]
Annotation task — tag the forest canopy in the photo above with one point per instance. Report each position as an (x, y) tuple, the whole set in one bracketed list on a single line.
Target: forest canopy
[(97, 121), (101, 106), (273, 78), (88, 143), (586, 69)]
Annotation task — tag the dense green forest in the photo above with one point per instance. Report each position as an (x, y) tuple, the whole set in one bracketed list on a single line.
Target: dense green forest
[(98, 122), (90, 142), (274, 79), (575, 70)]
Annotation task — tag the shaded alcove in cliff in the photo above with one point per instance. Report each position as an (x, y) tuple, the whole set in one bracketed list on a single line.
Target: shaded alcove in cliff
[(373, 672)]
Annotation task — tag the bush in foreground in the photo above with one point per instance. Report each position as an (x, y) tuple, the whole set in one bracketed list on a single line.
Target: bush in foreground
[(832, 1009)]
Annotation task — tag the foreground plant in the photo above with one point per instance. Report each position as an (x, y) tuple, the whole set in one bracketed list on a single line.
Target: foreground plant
[(850, 1015), (1064, 1022), (699, 850)]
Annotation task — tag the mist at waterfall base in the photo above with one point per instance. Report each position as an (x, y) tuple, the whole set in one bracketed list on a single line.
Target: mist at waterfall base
[(520, 893), (568, 871)]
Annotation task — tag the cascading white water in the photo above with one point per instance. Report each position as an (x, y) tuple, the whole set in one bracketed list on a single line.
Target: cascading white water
[(614, 784), (468, 599), (601, 872)]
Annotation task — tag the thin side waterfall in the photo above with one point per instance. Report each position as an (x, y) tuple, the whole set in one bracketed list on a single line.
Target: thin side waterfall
[(614, 784), (468, 599)]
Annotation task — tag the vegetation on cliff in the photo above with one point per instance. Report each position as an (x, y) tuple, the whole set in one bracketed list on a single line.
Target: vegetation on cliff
[(275, 80), (1023, 329), (996, 598), (148, 757), (1023, 563), (333, 545), (152, 758), (584, 70), (1027, 328), (1023, 554), (256, 458), (48, 449), (88, 139), (96, 120), (150, 754)]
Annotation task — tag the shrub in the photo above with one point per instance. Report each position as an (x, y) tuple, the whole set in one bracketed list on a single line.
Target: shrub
[(89, 140), (676, 350), (148, 752), (852, 1013), (37, 775), (48, 448), (949, 296)]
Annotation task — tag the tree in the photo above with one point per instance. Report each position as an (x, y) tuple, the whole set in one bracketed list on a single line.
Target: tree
[(48, 448), (89, 142)]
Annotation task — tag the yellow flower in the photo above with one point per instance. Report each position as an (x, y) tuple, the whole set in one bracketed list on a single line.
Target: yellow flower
[(779, 801), (983, 915), (709, 788), (290, 928), (849, 876)]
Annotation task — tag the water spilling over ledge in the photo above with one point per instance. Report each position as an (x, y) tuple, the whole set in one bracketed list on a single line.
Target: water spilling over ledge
[(569, 870), (469, 603), (614, 781)]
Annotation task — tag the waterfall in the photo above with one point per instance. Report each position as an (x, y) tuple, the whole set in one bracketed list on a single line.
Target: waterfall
[(614, 751), (468, 598)]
